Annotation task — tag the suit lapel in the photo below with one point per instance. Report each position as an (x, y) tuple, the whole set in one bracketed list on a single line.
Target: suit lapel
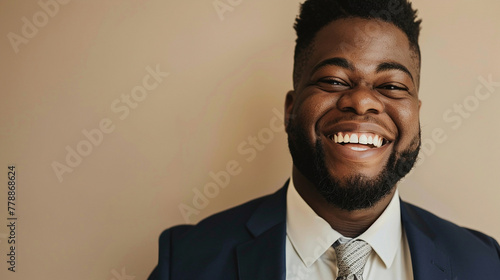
[(264, 256), (428, 262)]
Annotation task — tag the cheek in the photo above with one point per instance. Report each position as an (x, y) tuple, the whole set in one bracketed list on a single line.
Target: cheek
[(309, 110), (406, 118)]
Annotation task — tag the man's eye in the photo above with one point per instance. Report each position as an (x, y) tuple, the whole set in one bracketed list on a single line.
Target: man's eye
[(332, 85), (395, 91), (393, 87), (332, 82)]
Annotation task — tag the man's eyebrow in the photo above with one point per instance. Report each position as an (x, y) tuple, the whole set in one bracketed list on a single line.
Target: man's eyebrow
[(387, 66), (335, 61)]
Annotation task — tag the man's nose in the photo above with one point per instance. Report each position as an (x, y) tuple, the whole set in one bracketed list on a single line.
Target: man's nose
[(360, 101)]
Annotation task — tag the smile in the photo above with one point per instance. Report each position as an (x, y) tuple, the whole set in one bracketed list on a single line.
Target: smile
[(365, 141)]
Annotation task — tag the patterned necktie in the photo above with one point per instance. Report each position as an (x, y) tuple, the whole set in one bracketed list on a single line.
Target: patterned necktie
[(351, 259)]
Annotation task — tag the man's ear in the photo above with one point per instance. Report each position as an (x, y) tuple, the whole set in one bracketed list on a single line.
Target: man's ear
[(419, 104), (289, 100)]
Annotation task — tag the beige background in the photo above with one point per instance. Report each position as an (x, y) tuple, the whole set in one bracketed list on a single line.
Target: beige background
[(227, 73)]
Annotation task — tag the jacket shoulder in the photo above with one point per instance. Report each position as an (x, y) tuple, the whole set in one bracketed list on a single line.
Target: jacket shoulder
[(209, 248), (221, 223), (452, 237)]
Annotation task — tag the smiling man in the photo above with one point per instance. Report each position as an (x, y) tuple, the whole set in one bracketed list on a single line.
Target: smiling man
[(353, 130)]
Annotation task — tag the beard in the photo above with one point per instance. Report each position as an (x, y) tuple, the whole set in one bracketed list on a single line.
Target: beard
[(354, 192)]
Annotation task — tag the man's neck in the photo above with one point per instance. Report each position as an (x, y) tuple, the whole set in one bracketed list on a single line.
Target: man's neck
[(348, 223)]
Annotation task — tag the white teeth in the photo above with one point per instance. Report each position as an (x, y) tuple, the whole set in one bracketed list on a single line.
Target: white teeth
[(354, 139), (363, 139), (359, 149), (375, 141)]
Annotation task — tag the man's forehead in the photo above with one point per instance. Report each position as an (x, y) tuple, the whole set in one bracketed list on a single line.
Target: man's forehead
[(354, 36), (363, 40)]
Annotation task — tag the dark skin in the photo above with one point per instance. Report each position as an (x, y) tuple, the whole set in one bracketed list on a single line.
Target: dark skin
[(370, 86)]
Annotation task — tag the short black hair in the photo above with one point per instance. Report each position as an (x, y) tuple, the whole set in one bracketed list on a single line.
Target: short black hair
[(315, 14)]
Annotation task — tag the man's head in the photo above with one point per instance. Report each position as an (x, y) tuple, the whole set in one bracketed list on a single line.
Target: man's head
[(316, 14), (353, 117)]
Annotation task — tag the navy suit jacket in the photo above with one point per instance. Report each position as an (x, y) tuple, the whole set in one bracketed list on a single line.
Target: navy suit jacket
[(248, 243)]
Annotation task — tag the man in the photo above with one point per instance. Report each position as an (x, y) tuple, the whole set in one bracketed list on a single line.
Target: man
[(353, 130)]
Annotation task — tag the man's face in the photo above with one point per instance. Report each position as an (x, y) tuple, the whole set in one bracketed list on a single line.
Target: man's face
[(360, 83)]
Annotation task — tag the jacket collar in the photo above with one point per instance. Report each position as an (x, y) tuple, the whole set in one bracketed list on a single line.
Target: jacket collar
[(428, 261), (264, 256)]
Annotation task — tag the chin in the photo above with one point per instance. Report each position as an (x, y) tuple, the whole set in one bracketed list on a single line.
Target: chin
[(348, 190)]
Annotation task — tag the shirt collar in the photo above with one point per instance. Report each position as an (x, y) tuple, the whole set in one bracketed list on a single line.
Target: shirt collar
[(311, 235)]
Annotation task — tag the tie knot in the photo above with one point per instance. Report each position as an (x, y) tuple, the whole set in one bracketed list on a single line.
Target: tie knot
[(351, 259)]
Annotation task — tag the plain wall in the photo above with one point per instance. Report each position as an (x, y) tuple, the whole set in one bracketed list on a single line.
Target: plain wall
[(228, 76)]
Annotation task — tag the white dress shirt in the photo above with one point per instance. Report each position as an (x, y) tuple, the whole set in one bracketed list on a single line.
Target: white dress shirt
[(309, 251)]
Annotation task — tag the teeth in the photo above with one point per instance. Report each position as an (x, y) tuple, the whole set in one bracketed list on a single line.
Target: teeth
[(377, 142), (363, 139), (359, 149), (354, 138)]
